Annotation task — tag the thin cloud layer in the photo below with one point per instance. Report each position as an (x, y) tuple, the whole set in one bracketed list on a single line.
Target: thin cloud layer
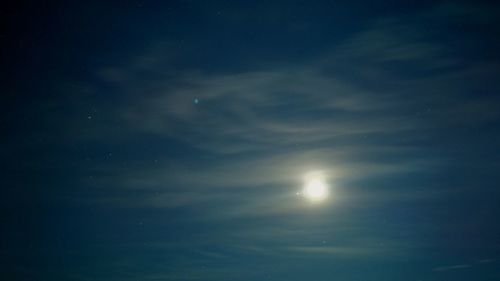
[(268, 127), (176, 162)]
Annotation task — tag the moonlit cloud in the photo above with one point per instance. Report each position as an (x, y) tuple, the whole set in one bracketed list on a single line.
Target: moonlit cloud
[(183, 155), (349, 112)]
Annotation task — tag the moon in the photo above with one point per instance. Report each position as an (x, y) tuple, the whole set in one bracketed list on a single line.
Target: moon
[(315, 187)]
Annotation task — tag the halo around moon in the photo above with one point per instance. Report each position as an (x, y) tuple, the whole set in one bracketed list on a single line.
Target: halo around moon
[(315, 187)]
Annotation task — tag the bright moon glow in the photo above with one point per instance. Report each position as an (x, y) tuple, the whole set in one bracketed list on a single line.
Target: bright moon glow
[(315, 188)]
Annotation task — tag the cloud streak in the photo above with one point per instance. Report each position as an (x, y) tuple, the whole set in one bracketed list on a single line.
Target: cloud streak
[(249, 137), (268, 127)]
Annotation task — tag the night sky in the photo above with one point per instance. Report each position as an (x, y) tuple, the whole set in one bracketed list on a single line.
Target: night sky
[(176, 140)]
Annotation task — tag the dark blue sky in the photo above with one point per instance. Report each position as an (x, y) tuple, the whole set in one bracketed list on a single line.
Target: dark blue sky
[(169, 140)]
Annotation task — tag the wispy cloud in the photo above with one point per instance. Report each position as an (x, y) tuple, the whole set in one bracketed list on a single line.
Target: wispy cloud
[(452, 267), (268, 127), (249, 137), (481, 262)]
